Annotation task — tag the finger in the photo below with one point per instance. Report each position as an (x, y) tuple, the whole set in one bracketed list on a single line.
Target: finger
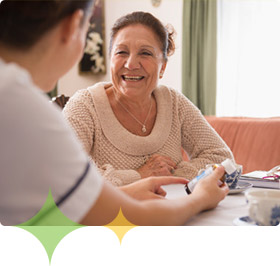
[(166, 180), (161, 171), (161, 191), (166, 159), (156, 196), (225, 188), (170, 163), (164, 172), (154, 157), (218, 173), (171, 170)]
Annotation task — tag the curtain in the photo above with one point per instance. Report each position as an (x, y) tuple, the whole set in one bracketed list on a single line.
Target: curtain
[(199, 51), (248, 79)]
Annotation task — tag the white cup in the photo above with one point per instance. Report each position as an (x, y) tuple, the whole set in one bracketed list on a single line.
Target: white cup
[(264, 206)]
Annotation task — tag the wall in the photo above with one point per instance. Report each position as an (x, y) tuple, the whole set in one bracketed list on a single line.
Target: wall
[(169, 11)]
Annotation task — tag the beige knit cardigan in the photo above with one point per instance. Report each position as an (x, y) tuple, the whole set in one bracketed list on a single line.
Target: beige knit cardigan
[(117, 152)]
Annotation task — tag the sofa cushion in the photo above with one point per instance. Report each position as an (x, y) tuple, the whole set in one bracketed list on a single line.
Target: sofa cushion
[(255, 142)]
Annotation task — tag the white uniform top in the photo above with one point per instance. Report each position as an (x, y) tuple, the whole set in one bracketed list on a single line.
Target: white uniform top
[(38, 152)]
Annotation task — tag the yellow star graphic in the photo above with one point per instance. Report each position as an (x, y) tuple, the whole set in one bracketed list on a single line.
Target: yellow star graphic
[(120, 225)]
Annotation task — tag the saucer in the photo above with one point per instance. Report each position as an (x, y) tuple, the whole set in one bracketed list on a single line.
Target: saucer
[(240, 187), (244, 221)]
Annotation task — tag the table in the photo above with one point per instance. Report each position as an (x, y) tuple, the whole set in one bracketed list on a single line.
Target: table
[(232, 207)]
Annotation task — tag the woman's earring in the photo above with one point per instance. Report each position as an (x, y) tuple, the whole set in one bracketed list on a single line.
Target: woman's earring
[(160, 74)]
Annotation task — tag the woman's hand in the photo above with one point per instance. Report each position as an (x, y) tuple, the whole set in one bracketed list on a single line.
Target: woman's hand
[(208, 191), (157, 165), (150, 188)]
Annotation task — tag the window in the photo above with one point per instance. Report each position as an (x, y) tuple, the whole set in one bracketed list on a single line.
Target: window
[(248, 62)]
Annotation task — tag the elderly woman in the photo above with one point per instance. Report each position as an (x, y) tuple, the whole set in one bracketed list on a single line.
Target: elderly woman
[(52, 35), (134, 128)]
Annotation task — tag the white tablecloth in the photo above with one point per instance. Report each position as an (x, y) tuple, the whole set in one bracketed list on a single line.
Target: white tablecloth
[(232, 207)]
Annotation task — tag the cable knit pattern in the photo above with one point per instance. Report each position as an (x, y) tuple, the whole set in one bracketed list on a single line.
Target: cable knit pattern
[(117, 152)]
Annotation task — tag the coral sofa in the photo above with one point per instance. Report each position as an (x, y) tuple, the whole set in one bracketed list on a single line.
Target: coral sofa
[(255, 142)]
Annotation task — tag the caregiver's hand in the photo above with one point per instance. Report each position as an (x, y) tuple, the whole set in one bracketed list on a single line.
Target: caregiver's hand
[(150, 188)]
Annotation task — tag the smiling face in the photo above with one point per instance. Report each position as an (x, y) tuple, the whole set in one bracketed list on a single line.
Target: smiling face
[(136, 61)]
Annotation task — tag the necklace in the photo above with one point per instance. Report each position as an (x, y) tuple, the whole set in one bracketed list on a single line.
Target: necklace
[(142, 124)]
